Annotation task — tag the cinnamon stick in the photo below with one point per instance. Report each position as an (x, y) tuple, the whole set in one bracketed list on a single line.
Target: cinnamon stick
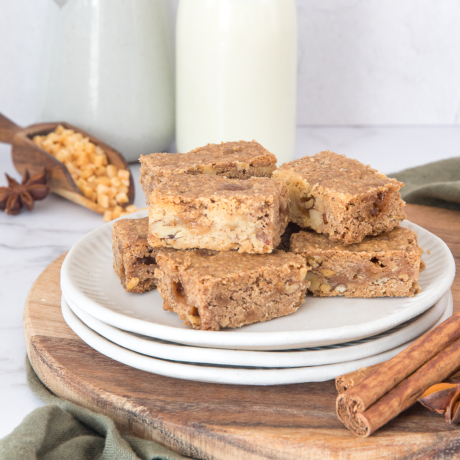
[(355, 407), (399, 398), (347, 381)]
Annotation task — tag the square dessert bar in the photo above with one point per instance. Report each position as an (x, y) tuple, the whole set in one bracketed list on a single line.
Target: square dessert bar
[(340, 197), (210, 291), (213, 212), (235, 160), (134, 260), (384, 265)]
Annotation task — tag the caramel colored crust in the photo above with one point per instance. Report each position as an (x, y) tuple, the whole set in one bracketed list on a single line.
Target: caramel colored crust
[(380, 266), (235, 160), (340, 197), (217, 213), (134, 260), (210, 291)]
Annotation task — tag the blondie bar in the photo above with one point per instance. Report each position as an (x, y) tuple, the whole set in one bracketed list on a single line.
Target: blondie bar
[(213, 212), (384, 265), (134, 260), (341, 197), (235, 160), (226, 289)]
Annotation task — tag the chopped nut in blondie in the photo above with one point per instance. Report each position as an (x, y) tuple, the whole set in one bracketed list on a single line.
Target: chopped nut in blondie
[(341, 197), (210, 291), (384, 265), (213, 212), (134, 260)]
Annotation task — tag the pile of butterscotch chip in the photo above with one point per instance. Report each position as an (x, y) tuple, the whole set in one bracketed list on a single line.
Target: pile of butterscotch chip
[(87, 163)]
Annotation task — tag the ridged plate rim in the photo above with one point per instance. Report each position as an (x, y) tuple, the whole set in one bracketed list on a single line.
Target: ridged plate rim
[(224, 374), (282, 358)]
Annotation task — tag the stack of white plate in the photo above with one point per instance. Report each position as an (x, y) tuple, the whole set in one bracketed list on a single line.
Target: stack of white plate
[(326, 337)]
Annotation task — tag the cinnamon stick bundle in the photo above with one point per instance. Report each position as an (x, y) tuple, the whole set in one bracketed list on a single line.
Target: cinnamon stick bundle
[(396, 384)]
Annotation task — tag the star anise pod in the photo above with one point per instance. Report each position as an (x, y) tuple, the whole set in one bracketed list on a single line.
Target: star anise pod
[(444, 398), (16, 196)]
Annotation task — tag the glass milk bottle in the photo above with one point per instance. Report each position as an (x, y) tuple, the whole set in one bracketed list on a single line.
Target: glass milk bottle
[(111, 72), (236, 73)]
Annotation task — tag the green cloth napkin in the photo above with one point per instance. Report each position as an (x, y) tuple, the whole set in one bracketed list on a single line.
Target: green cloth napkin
[(65, 431), (435, 184)]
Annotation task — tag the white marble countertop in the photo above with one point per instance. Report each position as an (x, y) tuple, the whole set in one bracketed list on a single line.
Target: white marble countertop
[(32, 240)]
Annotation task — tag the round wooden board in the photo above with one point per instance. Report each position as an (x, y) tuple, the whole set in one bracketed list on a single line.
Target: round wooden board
[(212, 421)]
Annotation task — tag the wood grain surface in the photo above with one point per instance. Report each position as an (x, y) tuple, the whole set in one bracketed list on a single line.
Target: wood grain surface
[(212, 421)]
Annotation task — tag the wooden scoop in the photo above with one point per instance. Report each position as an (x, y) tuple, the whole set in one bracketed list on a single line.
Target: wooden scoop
[(27, 155)]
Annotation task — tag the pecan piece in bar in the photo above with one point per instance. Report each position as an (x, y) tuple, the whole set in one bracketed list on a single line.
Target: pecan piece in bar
[(213, 212), (228, 290), (384, 265), (235, 160), (134, 259), (341, 197)]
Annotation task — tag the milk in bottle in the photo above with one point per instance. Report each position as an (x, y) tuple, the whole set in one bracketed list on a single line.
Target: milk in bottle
[(236, 73)]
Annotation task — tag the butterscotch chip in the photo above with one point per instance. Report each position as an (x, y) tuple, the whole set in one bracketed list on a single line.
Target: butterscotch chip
[(87, 163), (341, 197), (122, 198), (132, 283), (235, 160), (213, 212), (384, 265), (210, 291), (134, 260), (111, 170)]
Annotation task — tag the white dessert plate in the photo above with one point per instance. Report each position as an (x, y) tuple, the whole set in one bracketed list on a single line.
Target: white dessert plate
[(88, 279), (284, 358), (221, 374)]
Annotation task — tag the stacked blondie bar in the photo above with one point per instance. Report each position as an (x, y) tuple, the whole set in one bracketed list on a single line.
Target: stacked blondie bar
[(355, 246), (218, 246), (209, 244)]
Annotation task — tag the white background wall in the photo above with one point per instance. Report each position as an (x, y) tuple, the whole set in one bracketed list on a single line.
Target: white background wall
[(365, 62), (379, 62)]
